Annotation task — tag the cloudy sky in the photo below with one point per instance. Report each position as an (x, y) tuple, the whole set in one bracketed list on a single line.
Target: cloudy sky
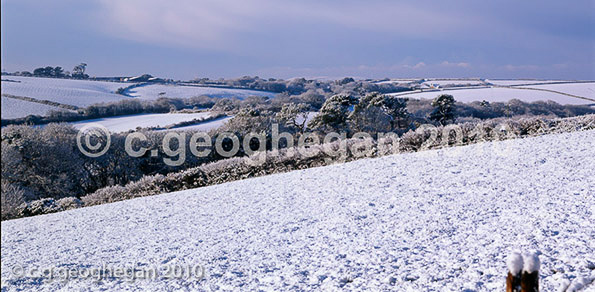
[(312, 38)]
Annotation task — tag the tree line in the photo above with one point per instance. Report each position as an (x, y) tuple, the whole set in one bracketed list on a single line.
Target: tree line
[(78, 72)]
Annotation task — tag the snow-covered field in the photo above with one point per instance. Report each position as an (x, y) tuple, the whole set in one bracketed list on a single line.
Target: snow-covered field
[(15, 108), (127, 123), (398, 80), (206, 126), (83, 93), (441, 220), (514, 82), (453, 82), (155, 91), (579, 89), (66, 91), (498, 94), (463, 89)]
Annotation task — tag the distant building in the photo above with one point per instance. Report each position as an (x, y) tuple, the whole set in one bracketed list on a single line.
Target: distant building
[(112, 79), (141, 78)]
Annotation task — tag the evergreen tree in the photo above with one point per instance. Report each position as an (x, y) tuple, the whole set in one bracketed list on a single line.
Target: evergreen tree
[(334, 113), (444, 109), (79, 71), (379, 112), (394, 107)]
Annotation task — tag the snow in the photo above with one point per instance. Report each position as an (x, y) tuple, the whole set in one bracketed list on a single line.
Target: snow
[(15, 108), (398, 80), (514, 82), (531, 262), (436, 82), (578, 284), (586, 89), (131, 122), (515, 263), (205, 126), (153, 91), (498, 95), (455, 82), (83, 93), (309, 117), (441, 220), (66, 91)]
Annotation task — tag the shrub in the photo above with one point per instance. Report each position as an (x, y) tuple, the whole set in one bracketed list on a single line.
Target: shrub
[(48, 205), (45, 160), (12, 197), (250, 120)]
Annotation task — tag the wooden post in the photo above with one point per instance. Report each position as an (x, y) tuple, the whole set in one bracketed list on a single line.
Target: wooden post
[(530, 282), (513, 282), (523, 272), (515, 267), (530, 277)]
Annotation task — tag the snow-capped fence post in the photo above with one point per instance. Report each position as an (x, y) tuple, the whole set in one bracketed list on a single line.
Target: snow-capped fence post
[(515, 267), (530, 277), (523, 272)]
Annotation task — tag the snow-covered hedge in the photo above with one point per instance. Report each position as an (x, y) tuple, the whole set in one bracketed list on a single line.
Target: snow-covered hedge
[(285, 160), (48, 205)]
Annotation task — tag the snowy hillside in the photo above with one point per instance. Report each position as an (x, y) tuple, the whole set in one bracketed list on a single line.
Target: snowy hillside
[(499, 94), (205, 126), (154, 91), (127, 123), (440, 220), (453, 82), (513, 82), (66, 91), (13, 108), (580, 89), (82, 93)]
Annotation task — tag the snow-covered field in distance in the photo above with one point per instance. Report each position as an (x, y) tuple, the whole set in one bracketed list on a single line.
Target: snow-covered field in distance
[(513, 82), (444, 82), (441, 220), (131, 122), (204, 126), (498, 94), (66, 91), (83, 93), (579, 89), (399, 80), (448, 82), (154, 91), (15, 108)]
